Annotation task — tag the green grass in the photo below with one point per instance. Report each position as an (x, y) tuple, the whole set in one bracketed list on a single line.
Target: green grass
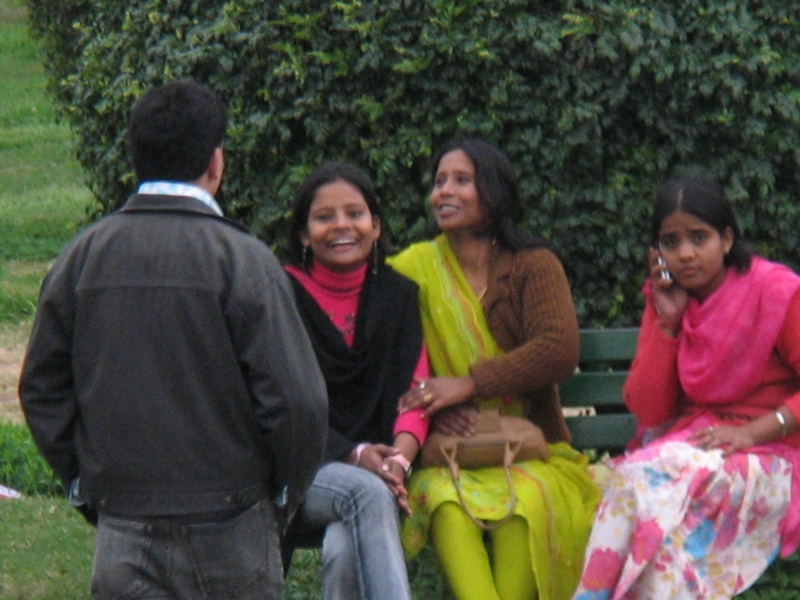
[(19, 284), (46, 547), (22, 468), (47, 551), (22, 75), (42, 195)]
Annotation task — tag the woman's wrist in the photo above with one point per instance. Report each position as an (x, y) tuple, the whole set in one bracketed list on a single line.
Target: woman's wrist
[(470, 386), (669, 331), (669, 327)]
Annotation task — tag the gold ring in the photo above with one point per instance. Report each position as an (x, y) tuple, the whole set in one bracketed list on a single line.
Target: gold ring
[(427, 397)]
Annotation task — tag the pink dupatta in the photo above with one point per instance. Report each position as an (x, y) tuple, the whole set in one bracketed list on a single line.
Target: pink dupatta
[(726, 341)]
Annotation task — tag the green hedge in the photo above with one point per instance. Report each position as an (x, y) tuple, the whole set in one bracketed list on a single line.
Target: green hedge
[(595, 102)]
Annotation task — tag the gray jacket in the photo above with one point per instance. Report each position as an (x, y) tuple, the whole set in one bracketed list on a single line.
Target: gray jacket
[(168, 367)]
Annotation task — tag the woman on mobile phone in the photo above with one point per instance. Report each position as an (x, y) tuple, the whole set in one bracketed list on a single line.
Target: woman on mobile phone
[(702, 508)]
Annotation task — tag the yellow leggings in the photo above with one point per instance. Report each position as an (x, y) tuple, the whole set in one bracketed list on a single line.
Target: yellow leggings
[(465, 563)]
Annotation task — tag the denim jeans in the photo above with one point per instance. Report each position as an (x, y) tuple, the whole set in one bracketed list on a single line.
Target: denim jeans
[(362, 558), (236, 558)]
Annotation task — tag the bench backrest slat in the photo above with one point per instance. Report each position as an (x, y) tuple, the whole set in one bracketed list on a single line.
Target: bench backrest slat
[(605, 360), (604, 432), (608, 344), (599, 388)]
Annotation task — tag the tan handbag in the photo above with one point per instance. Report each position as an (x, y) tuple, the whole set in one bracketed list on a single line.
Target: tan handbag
[(499, 441)]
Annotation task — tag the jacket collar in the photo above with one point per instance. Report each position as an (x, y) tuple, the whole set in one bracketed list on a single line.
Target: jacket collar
[(182, 204)]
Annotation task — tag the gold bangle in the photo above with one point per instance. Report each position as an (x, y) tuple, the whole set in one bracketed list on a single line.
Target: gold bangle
[(782, 421)]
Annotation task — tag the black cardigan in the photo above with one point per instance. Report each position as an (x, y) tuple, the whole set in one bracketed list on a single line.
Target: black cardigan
[(365, 381)]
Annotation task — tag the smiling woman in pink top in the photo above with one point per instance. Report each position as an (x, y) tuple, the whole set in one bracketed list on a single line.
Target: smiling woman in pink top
[(363, 321), (709, 496)]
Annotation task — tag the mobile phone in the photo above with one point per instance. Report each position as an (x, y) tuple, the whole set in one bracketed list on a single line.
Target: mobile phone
[(665, 274)]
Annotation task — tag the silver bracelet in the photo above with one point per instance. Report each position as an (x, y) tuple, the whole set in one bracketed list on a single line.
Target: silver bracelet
[(782, 421)]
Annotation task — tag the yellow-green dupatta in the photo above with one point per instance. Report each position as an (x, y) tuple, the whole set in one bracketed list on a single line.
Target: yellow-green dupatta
[(456, 333)]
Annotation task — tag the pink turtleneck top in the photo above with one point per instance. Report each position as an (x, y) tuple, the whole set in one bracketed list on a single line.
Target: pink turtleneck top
[(337, 294)]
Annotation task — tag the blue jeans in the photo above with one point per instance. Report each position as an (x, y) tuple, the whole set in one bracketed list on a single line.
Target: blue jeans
[(236, 558), (362, 558)]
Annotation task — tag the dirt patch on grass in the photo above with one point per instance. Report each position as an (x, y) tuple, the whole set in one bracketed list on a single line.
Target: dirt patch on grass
[(13, 339), (13, 14)]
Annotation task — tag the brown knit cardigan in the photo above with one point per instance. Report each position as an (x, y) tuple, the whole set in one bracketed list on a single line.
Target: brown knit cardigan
[(529, 310)]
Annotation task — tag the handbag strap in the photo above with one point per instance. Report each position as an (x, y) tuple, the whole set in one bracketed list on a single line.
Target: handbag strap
[(511, 450)]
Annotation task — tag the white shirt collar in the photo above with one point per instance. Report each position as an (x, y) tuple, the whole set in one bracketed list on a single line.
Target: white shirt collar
[(178, 188)]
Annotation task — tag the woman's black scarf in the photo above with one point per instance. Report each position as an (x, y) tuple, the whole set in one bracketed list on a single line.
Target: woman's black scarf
[(365, 381)]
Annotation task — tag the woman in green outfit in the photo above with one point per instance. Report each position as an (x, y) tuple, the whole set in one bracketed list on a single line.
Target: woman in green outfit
[(501, 331)]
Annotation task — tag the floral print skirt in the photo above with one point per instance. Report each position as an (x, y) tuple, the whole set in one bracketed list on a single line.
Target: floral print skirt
[(680, 522)]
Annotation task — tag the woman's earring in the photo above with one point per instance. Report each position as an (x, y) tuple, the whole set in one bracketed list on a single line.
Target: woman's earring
[(304, 258), (375, 257)]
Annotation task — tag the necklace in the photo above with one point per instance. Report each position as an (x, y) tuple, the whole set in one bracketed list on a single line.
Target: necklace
[(483, 293)]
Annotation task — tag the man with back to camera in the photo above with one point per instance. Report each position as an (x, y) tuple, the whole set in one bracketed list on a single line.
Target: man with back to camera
[(169, 380)]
